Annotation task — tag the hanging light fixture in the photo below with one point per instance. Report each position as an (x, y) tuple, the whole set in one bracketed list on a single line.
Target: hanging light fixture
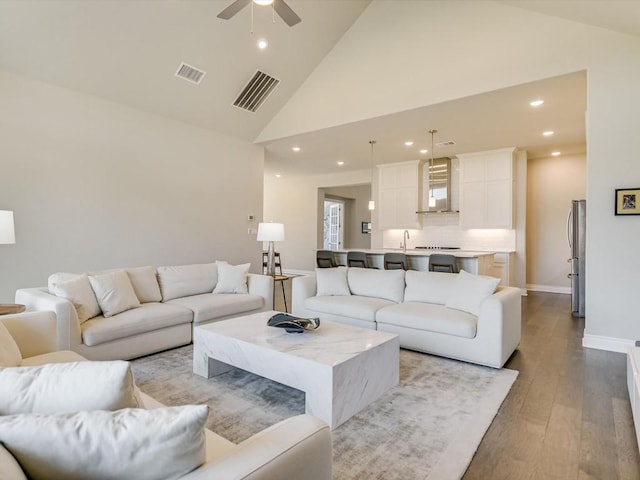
[(432, 198), (372, 203)]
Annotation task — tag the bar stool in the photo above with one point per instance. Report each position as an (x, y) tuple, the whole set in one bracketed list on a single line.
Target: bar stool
[(439, 262), (395, 261), (324, 259), (357, 259)]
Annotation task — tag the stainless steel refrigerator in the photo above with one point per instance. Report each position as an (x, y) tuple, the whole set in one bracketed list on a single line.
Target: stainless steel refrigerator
[(576, 230)]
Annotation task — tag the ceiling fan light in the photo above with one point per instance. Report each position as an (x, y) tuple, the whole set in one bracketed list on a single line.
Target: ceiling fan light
[(263, 2)]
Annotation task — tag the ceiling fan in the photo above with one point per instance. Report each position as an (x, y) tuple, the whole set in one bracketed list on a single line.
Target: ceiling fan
[(281, 8)]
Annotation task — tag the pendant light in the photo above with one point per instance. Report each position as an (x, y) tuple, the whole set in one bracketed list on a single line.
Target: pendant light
[(372, 203), (432, 198)]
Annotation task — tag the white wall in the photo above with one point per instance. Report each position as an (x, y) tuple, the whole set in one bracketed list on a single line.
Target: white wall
[(356, 211), (480, 46), (552, 183), (97, 185)]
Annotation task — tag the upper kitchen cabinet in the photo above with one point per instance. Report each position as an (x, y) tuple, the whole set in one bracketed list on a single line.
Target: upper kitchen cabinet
[(398, 193), (487, 189)]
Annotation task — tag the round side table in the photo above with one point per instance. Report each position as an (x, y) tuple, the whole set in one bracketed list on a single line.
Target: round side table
[(7, 308)]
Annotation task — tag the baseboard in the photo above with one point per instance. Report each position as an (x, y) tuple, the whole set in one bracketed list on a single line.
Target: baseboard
[(548, 288), (611, 344)]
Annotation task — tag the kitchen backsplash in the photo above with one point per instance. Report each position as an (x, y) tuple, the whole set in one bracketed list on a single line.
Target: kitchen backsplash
[(497, 240)]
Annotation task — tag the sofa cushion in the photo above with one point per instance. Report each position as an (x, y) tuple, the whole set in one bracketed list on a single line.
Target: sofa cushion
[(130, 443), (470, 291), (232, 278), (61, 356), (332, 281), (147, 317), (184, 280), (145, 284), (78, 291), (10, 355), (9, 467), (362, 308), (429, 317), (114, 292), (429, 287), (64, 387), (209, 306), (369, 282)]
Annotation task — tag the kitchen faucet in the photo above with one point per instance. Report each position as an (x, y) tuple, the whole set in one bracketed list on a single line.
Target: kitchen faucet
[(405, 236)]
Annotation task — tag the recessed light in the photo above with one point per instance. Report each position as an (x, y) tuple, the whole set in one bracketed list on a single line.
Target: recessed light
[(262, 44), (548, 133), (555, 154), (408, 143), (263, 2), (278, 175), (296, 149), (536, 103), (340, 163), (423, 151)]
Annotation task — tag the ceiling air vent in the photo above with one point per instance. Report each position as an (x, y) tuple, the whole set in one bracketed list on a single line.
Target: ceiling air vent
[(256, 91), (189, 73), (448, 143)]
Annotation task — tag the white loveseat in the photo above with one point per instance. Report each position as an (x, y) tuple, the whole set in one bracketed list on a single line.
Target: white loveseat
[(155, 308), (299, 447), (461, 316)]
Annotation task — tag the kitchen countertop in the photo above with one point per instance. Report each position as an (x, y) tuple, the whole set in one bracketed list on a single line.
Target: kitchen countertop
[(419, 252)]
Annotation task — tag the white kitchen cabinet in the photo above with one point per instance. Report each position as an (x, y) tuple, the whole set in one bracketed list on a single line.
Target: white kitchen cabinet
[(503, 268), (487, 189), (398, 193)]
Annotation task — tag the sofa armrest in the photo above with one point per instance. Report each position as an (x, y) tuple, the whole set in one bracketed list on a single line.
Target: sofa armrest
[(298, 447), (34, 332), (261, 285), (501, 319), (68, 325), (301, 289)]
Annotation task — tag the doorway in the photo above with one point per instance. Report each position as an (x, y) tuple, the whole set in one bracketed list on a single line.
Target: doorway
[(333, 237)]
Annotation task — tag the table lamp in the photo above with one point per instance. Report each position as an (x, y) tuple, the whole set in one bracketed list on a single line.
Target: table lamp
[(271, 232), (7, 232)]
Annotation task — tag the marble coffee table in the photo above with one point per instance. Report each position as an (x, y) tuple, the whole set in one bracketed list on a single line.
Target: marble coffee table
[(340, 368)]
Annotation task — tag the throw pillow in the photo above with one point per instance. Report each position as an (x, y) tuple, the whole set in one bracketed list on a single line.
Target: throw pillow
[(232, 278), (78, 291), (369, 282), (114, 292), (131, 443), (9, 468), (67, 387), (10, 355), (145, 284), (332, 281), (186, 280), (470, 291)]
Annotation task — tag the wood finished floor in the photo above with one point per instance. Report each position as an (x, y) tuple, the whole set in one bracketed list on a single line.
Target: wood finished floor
[(568, 414)]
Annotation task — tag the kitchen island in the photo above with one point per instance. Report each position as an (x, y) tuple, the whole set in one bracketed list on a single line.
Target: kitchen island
[(476, 262)]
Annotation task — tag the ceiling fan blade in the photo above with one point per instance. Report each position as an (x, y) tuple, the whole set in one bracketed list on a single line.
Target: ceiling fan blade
[(286, 13), (232, 9)]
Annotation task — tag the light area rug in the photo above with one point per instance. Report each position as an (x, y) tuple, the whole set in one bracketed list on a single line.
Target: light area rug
[(427, 427)]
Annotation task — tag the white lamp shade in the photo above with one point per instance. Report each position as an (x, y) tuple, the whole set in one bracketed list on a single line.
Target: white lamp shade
[(270, 232), (7, 232)]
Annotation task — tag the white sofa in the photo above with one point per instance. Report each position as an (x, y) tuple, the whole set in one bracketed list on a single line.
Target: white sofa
[(453, 315), (299, 447), (166, 302)]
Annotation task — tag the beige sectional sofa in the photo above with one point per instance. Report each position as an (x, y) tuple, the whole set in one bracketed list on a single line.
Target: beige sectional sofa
[(461, 316), (299, 447), (130, 312)]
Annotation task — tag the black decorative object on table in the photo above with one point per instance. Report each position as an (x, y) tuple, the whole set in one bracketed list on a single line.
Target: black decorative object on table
[(293, 324)]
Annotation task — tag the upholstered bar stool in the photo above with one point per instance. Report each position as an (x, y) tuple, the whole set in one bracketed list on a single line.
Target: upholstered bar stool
[(325, 259), (395, 261), (357, 259), (443, 263)]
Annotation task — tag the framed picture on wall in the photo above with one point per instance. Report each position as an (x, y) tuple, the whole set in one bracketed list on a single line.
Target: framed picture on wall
[(366, 227), (628, 201)]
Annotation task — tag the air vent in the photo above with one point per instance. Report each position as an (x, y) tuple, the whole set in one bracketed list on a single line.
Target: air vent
[(448, 143), (189, 73), (256, 91)]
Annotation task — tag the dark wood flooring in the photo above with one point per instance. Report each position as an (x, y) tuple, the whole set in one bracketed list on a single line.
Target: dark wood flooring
[(567, 416)]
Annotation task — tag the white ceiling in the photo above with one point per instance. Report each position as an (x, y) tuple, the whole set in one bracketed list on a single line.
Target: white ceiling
[(128, 52)]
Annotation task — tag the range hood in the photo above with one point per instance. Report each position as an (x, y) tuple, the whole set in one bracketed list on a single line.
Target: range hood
[(435, 179)]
